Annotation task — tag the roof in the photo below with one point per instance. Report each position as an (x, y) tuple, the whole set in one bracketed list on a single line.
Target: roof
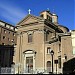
[(63, 27), (7, 23), (40, 18), (46, 11)]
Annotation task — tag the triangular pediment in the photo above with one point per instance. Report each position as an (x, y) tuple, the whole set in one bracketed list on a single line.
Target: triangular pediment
[(29, 19)]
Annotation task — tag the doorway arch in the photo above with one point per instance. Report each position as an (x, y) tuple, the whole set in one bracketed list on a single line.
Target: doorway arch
[(29, 61)]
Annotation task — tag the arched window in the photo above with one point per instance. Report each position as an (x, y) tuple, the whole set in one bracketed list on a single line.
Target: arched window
[(48, 66)]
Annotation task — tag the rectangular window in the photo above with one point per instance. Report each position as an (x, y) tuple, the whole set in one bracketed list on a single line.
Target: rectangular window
[(30, 36), (48, 50), (3, 43), (50, 19), (47, 17), (59, 47), (46, 37), (13, 34), (3, 37), (8, 39), (59, 61), (4, 31)]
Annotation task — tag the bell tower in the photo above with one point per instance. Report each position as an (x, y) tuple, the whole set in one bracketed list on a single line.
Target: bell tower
[(49, 16), (54, 19), (46, 15)]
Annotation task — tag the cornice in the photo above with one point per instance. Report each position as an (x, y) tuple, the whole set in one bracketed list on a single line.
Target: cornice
[(27, 31), (55, 27)]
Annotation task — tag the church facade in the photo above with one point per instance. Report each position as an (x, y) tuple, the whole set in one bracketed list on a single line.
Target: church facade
[(43, 45)]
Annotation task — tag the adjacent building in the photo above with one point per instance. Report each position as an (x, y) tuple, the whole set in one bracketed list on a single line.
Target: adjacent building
[(73, 40), (7, 33), (8, 38)]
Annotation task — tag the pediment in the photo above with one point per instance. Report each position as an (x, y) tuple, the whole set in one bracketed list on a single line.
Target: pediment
[(29, 19)]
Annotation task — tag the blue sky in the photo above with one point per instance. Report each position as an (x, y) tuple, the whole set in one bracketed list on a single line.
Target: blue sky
[(12, 11)]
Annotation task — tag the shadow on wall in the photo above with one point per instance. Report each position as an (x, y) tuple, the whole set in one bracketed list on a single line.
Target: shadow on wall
[(6, 55), (69, 66)]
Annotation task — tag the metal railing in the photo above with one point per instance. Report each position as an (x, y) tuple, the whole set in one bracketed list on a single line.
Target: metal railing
[(28, 70), (7, 70)]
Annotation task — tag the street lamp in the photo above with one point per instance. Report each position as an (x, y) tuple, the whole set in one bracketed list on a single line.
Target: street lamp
[(52, 53)]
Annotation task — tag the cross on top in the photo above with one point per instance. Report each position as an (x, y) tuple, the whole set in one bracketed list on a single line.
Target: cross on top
[(29, 11)]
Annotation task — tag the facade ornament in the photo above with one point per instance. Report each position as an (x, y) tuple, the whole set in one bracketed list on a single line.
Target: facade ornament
[(29, 11)]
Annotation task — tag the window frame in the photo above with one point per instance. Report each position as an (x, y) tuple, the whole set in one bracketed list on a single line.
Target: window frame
[(4, 37), (48, 50), (59, 61), (30, 38)]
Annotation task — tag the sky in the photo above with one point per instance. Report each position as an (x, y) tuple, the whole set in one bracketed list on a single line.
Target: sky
[(13, 11)]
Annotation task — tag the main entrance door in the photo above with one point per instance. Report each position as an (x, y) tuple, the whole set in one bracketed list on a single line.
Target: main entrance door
[(29, 61), (29, 64)]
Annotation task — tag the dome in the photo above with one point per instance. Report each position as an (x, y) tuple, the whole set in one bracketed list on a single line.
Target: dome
[(63, 28)]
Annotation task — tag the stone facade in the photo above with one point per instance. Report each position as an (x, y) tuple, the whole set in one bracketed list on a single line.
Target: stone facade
[(37, 37)]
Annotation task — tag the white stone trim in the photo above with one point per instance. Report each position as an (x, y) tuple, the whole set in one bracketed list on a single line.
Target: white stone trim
[(29, 54)]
